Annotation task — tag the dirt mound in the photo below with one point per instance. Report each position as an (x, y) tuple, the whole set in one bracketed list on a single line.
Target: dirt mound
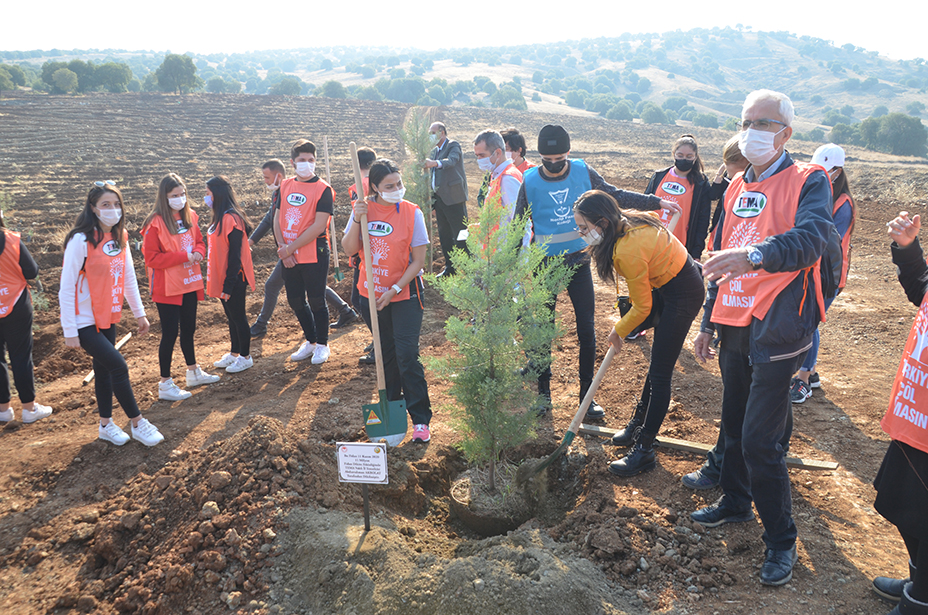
[(332, 566)]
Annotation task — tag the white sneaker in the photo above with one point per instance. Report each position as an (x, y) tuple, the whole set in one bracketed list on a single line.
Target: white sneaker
[(171, 392), (306, 349), (7, 415), (240, 365), (112, 433), (196, 377), (320, 354), (146, 433), (226, 360), (38, 412)]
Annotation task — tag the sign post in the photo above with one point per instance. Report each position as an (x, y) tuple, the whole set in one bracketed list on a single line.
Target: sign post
[(365, 463)]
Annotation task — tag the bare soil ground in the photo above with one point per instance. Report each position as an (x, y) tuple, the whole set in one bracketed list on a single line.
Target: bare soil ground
[(240, 508)]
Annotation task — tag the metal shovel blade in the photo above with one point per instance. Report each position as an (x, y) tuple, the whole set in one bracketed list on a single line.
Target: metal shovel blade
[(386, 420)]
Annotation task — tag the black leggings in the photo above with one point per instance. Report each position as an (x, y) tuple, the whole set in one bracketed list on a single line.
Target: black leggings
[(16, 338), (111, 374), (306, 281), (181, 317), (683, 296), (239, 330)]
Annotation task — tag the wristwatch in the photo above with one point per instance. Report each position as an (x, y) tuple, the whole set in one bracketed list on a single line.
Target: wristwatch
[(756, 258)]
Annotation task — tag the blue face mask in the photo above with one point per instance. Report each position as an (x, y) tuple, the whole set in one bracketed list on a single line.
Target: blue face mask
[(208, 199)]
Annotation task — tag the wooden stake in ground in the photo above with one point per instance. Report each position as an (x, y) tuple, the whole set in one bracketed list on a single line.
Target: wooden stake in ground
[(119, 345), (337, 274), (702, 449)]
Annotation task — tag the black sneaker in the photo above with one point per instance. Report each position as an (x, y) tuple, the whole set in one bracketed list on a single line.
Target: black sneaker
[(259, 329), (347, 317), (716, 514), (631, 337), (369, 347), (368, 359), (799, 391), (595, 412), (814, 381)]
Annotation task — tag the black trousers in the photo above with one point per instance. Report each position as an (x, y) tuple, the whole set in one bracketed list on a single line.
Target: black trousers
[(111, 374), (400, 324), (239, 330), (16, 339), (683, 297), (177, 318), (451, 219), (305, 284), (756, 412)]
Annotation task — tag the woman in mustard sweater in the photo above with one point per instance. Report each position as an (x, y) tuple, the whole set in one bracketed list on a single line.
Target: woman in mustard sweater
[(636, 246)]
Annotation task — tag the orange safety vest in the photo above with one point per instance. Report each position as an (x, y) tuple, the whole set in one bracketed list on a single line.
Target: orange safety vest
[(391, 238), (525, 166), (353, 190), (680, 191), (846, 240), (298, 212), (906, 419), (186, 277), (105, 273), (754, 211), (217, 255), (496, 184), (12, 281)]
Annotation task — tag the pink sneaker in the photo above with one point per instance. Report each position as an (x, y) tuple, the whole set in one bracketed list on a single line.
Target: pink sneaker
[(420, 433)]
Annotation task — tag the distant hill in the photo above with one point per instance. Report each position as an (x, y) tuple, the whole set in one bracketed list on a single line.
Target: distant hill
[(699, 76)]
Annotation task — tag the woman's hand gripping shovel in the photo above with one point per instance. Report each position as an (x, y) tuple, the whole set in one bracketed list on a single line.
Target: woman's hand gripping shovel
[(528, 470), (386, 420)]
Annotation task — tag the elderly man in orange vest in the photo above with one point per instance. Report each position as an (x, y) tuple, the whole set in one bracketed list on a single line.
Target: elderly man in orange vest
[(765, 299)]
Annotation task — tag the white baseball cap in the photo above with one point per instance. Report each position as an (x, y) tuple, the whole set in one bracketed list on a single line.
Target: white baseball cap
[(829, 156)]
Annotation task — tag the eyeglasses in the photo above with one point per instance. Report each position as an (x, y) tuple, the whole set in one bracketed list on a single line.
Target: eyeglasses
[(764, 125), (100, 184)]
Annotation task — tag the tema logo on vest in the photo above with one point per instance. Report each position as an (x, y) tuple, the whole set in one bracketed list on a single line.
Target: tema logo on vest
[(296, 199), (750, 204), (111, 248), (673, 188), (379, 229)]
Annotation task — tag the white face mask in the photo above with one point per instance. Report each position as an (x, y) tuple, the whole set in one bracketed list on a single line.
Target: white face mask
[(592, 238), (394, 197), (305, 169), (484, 164), (508, 155), (433, 138), (757, 145), (177, 203), (272, 187), (109, 217)]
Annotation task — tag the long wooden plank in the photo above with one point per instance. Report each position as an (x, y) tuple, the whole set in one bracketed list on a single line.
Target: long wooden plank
[(119, 345), (701, 449)]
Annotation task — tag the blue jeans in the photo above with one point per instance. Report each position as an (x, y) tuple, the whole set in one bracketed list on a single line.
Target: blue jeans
[(111, 374), (272, 287), (400, 324), (812, 358), (756, 413)]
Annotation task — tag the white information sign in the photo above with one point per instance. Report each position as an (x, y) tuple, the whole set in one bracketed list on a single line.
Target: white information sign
[(362, 462)]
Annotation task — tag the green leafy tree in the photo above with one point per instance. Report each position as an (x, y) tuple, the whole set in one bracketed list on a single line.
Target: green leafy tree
[(368, 93), (64, 80), (178, 74), (113, 76), (216, 85), (507, 97), (674, 103), (879, 111), (333, 89), (706, 120), (86, 75), (17, 74), (503, 295), (288, 86), (620, 111), (652, 114), (644, 84), (6, 80)]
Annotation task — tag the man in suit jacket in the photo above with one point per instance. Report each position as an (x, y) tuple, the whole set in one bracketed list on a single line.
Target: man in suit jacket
[(449, 186)]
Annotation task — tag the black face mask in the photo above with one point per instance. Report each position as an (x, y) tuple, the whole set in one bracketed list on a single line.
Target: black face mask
[(554, 167), (683, 165)]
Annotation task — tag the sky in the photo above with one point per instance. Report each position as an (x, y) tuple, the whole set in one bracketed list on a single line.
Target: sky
[(895, 29)]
